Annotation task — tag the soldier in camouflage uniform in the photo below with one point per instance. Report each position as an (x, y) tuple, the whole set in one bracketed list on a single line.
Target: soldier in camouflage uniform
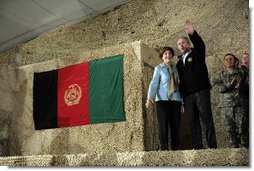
[(229, 84)]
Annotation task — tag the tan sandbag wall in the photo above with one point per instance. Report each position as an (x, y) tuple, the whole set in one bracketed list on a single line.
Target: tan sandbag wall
[(111, 137)]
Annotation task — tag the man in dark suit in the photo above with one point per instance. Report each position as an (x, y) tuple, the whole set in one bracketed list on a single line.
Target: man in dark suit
[(195, 87)]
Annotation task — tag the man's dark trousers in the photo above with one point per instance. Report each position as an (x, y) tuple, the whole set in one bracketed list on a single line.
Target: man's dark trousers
[(198, 105)]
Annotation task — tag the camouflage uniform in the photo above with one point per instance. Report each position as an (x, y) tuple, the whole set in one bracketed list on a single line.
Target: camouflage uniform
[(231, 100)]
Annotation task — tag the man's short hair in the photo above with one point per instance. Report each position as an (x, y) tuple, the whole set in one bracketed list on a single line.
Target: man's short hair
[(186, 38)]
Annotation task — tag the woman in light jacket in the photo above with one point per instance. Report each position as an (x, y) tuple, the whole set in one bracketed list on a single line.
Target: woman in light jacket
[(169, 104)]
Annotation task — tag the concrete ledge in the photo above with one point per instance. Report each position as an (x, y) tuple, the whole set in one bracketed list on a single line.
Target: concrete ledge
[(207, 157)]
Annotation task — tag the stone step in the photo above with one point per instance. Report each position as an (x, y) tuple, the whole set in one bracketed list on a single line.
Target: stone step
[(206, 157)]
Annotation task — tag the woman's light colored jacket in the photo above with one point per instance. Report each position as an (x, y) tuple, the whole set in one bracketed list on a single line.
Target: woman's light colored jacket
[(158, 87)]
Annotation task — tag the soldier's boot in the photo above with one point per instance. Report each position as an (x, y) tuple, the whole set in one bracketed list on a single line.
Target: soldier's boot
[(234, 142)]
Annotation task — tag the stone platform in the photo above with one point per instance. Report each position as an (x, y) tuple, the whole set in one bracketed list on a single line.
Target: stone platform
[(207, 157)]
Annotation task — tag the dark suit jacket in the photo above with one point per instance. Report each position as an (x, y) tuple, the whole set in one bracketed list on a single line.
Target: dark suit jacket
[(194, 74)]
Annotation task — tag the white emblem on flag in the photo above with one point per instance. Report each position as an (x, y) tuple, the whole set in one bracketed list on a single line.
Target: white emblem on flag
[(72, 95)]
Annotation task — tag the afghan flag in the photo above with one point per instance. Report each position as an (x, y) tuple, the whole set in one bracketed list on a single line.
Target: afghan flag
[(81, 94)]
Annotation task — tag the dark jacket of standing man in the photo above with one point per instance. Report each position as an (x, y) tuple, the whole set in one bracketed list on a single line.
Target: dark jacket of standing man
[(195, 87)]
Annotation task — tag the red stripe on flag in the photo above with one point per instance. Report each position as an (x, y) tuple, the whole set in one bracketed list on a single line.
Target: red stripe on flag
[(73, 95)]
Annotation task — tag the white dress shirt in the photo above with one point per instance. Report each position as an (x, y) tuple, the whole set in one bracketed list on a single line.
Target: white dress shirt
[(185, 55)]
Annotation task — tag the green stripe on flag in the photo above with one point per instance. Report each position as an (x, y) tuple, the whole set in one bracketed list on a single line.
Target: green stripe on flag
[(106, 90)]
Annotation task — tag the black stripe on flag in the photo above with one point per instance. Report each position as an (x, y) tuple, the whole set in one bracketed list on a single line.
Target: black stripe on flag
[(45, 99)]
